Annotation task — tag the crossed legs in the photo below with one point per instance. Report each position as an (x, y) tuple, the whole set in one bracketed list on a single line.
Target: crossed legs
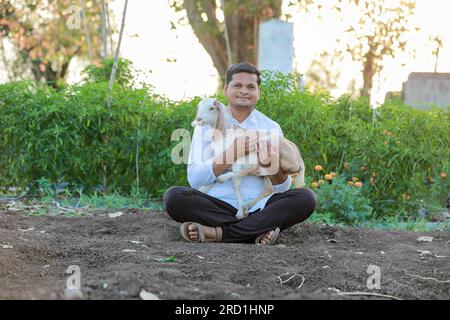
[(282, 210)]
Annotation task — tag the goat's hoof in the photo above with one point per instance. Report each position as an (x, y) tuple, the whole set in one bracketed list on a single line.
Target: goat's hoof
[(240, 214)]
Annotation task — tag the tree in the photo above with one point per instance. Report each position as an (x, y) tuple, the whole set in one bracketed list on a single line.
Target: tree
[(323, 73), (236, 33), (437, 45), (47, 35), (377, 33)]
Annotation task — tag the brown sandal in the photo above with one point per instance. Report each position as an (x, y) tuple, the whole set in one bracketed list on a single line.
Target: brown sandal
[(272, 240), (184, 230)]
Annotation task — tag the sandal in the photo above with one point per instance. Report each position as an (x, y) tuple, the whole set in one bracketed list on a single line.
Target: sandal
[(184, 230), (272, 240)]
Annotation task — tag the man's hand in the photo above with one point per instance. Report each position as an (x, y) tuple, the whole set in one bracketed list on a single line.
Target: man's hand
[(269, 155), (241, 146)]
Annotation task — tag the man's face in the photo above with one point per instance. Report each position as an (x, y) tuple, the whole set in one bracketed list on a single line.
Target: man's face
[(242, 91)]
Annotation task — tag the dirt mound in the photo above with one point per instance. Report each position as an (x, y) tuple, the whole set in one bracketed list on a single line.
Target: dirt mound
[(119, 257)]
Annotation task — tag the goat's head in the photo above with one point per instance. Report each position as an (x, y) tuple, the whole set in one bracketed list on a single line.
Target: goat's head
[(207, 112)]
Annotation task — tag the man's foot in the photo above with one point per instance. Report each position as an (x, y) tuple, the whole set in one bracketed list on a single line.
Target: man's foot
[(267, 237), (210, 233)]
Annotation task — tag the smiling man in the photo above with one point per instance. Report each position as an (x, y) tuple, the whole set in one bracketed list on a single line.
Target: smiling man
[(212, 216)]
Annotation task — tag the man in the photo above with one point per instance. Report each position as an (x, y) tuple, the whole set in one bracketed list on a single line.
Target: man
[(211, 217)]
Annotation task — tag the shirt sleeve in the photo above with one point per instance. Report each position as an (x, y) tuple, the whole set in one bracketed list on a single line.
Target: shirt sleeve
[(286, 185), (201, 155)]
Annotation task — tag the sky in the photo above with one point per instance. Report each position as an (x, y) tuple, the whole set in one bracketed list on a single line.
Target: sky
[(176, 64)]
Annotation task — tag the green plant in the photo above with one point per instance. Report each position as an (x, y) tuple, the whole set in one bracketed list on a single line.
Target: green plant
[(70, 136), (124, 76), (345, 202)]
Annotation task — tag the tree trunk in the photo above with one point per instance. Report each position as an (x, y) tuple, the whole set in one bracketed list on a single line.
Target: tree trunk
[(368, 72), (242, 31), (104, 41), (86, 30), (213, 40)]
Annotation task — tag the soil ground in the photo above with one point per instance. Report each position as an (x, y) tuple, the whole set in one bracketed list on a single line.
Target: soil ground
[(118, 257)]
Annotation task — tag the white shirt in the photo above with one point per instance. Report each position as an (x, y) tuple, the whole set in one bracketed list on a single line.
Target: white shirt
[(200, 166)]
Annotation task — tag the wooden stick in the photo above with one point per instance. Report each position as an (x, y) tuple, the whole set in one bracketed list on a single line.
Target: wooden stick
[(361, 293), (116, 57), (86, 30), (428, 278), (299, 275), (104, 31)]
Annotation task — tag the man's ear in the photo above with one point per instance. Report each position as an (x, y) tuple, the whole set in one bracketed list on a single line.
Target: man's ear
[(225, 88)]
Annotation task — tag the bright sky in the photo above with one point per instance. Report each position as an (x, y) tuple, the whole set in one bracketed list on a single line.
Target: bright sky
[(149, 41)]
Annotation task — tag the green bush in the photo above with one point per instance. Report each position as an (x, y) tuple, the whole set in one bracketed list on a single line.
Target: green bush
[(403, 147), (124, 73), (347, 203), (71, 136)]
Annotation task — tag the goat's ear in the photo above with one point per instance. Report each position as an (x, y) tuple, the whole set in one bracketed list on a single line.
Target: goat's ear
[(194, 124)]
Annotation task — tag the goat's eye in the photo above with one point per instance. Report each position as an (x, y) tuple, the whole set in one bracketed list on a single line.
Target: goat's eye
[(211, 109)]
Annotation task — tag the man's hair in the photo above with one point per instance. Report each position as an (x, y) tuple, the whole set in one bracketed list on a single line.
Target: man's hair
[(242, 67)]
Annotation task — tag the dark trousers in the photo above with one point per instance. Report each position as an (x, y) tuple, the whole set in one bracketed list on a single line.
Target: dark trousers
[(282, 210)]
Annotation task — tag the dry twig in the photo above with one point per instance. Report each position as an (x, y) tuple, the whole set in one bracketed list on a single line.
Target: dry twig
[(299, 275), (428, 278), (361, 293)]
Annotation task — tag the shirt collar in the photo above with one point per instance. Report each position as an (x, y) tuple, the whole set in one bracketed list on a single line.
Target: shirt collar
[(251, 118)]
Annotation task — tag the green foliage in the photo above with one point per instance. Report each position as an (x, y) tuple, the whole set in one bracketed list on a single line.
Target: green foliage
[(60, 136), (403, 148), (46, 35), (102, 73), (69, 135), (347, 203)]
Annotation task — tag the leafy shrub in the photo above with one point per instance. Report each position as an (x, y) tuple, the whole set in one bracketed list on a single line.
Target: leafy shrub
[(124, 74), (71, 136), (347, 203)]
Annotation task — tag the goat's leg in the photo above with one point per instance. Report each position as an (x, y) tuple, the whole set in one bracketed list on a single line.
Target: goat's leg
[(268, 189), (245, 172), (224, 177), (205, 189), (237, 189)]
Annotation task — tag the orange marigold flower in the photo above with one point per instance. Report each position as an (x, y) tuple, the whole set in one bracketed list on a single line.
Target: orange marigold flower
[(318, 168), (355, 179), (346, 165), (358, 184), (333, 174), (350, 183), (328, 177), (443, 175), (363, 168), (315, 184)]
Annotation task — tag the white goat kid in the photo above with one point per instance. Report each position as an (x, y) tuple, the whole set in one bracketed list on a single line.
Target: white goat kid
[(213, 113)]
